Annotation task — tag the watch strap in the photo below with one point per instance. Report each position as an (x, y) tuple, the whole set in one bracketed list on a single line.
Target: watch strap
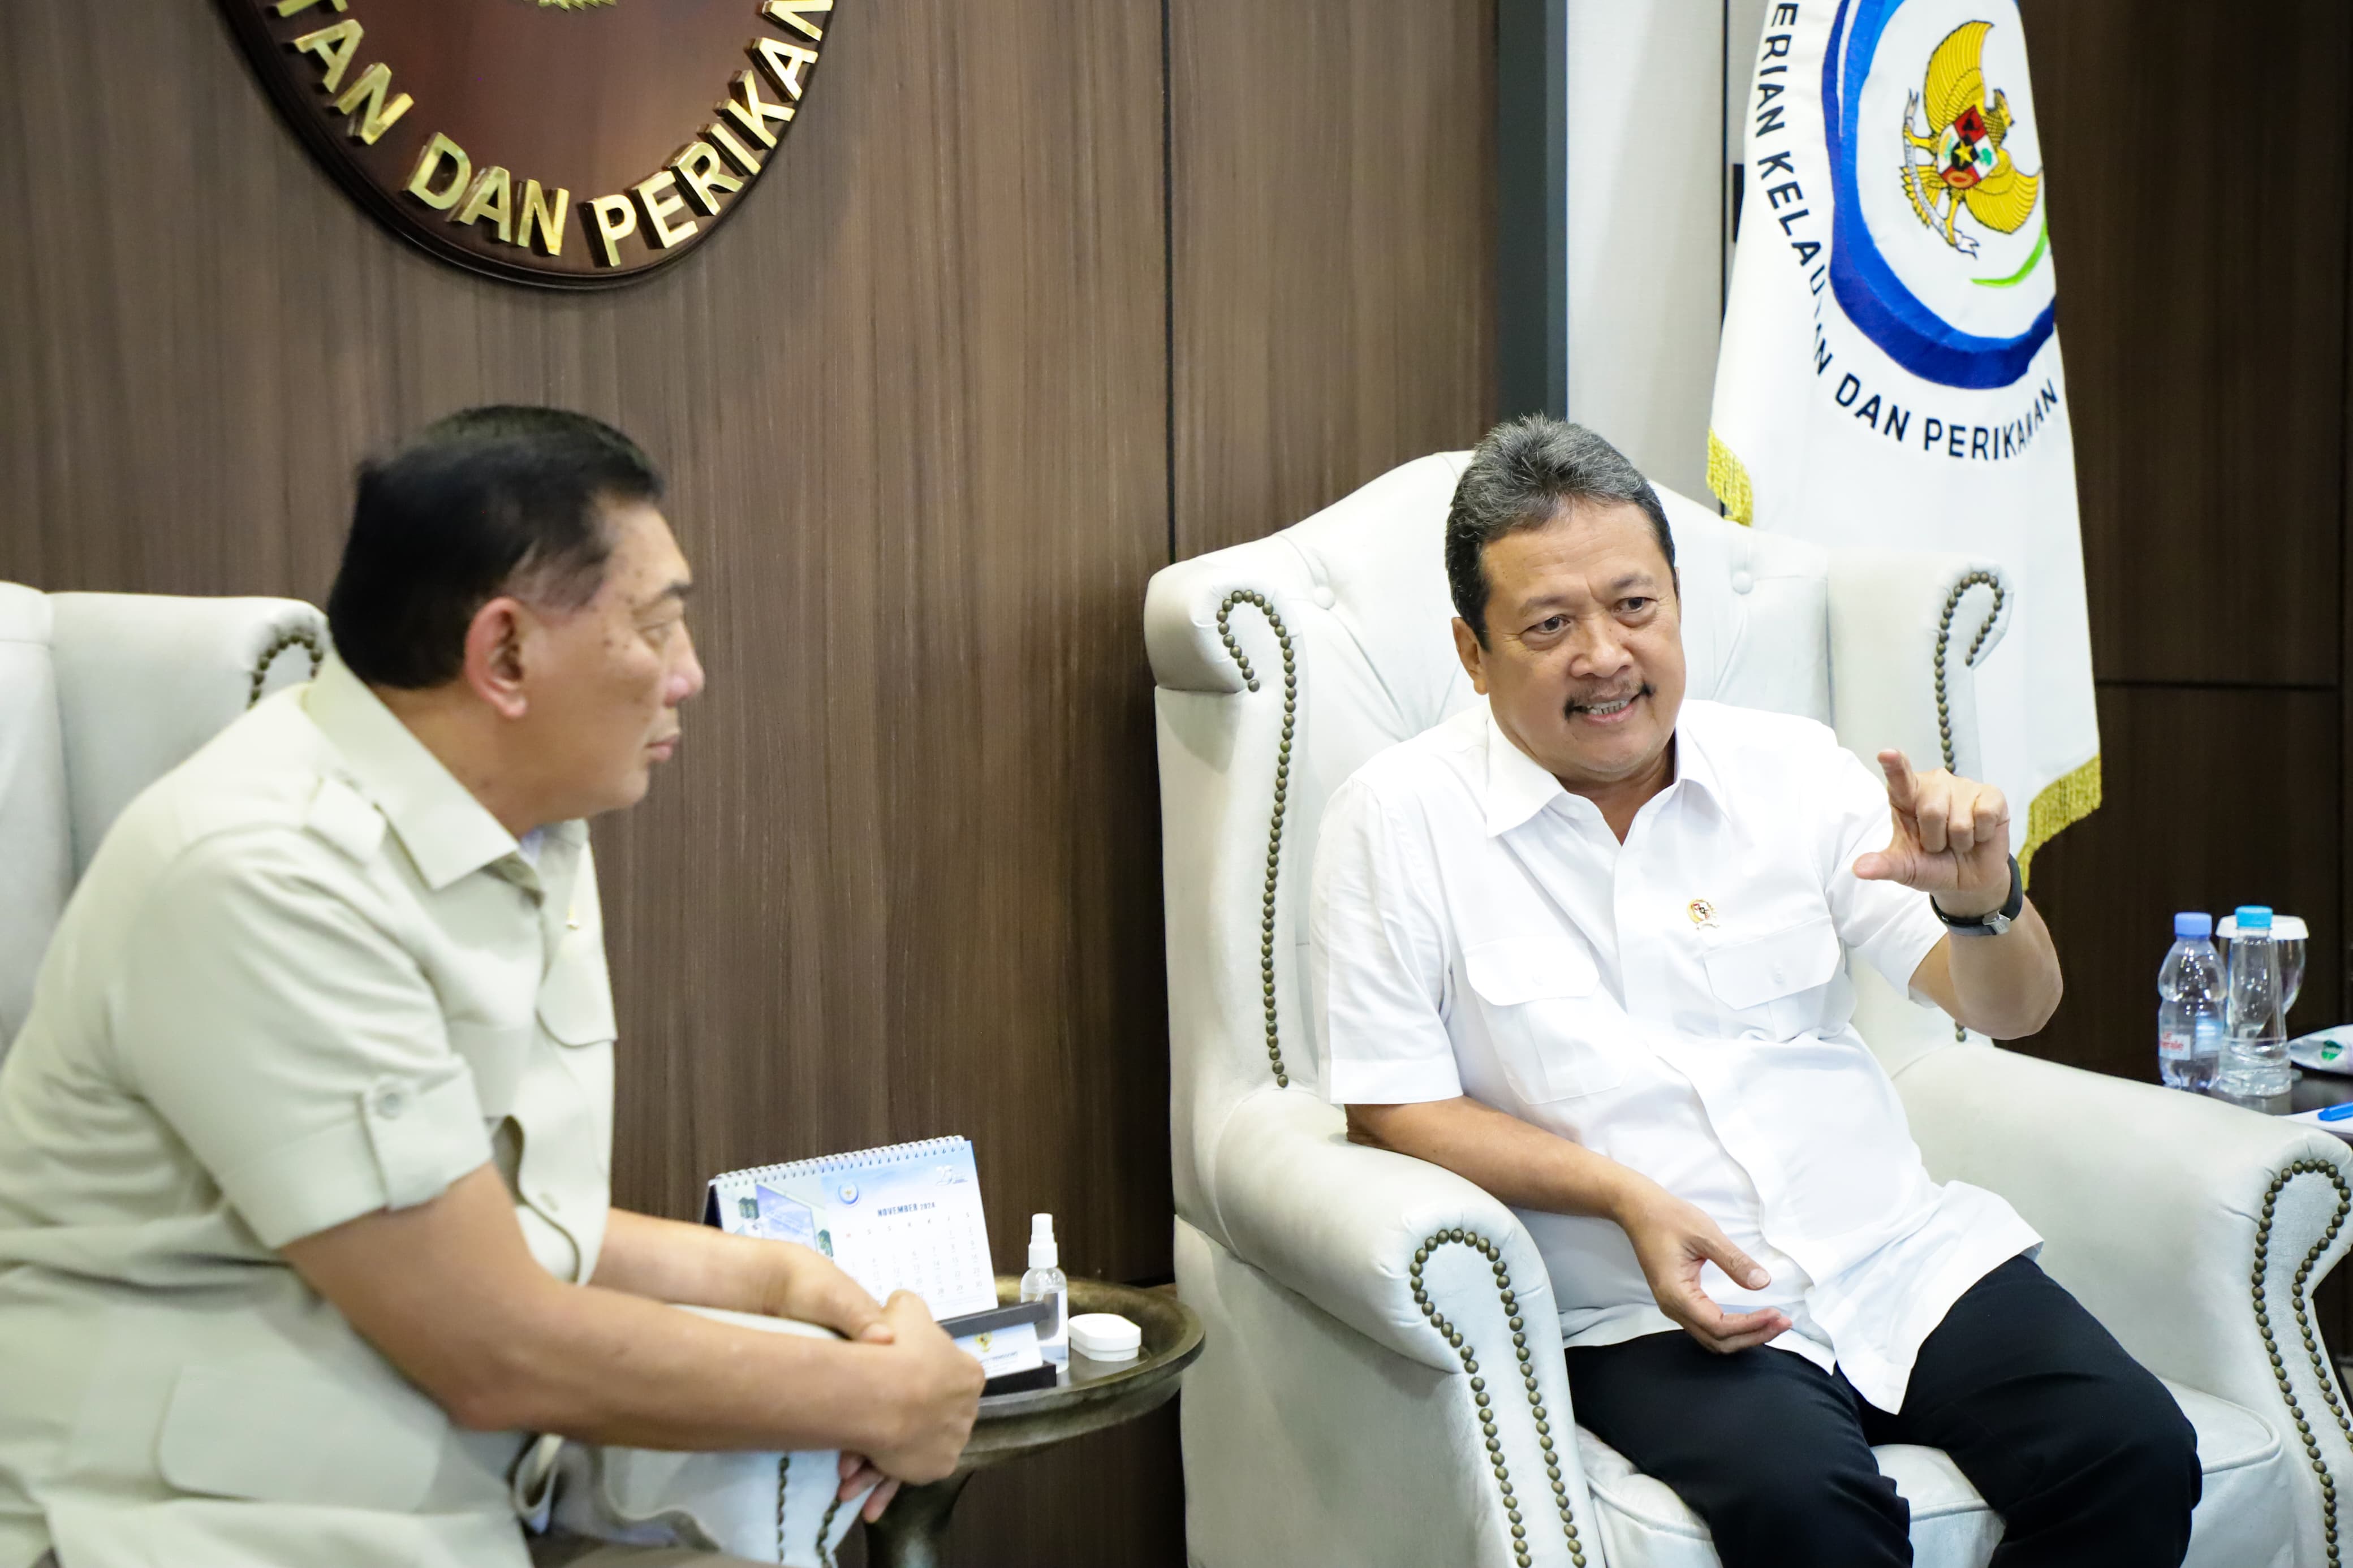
[(1992, 924)]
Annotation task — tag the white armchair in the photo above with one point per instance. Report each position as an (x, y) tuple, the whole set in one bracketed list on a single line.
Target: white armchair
[(1383, 1382)]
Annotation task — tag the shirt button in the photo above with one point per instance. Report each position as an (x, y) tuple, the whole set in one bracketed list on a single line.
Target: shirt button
[(1742, 581), (1323, 596), (547, 1201), (391, 1100)]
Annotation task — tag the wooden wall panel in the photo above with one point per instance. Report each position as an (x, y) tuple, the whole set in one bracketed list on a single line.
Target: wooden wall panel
[(1331, 195), (904, 878), (2199, 210), (2190, 826)]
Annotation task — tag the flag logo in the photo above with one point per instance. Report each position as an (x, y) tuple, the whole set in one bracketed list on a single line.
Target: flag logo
[(1967, 165)]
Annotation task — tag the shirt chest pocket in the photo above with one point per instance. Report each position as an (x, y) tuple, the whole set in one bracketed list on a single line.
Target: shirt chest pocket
[(1775, 983), (1540, 999)]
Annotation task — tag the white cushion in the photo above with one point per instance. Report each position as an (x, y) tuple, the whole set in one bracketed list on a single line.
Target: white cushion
[(2241, 1520), (36, 838)]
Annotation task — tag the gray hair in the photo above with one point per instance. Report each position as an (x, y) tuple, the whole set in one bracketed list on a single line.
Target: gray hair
[(1522, 475)]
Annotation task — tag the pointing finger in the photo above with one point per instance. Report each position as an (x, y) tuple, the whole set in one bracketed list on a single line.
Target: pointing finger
[(1903, 789)]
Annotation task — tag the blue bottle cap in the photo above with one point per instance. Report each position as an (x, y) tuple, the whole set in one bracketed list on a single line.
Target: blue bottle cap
[(2191, 923), (2254, 917)]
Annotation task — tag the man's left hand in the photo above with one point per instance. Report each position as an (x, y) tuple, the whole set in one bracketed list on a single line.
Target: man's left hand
[(1951, 839), (806, 1284)]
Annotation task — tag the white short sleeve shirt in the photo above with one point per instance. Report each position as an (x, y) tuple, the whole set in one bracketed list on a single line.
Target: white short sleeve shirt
[(1677, 1003)]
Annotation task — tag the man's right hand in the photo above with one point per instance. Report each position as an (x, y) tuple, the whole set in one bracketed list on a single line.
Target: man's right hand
[(1673, 1241), (1528, 1167), (939, 1389)]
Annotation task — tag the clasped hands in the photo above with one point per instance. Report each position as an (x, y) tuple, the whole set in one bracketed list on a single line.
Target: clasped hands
[(807, 1285), (1950, 840)]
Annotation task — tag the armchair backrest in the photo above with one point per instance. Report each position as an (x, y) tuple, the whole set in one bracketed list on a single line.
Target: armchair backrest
[(1285, 663), (102, 694)]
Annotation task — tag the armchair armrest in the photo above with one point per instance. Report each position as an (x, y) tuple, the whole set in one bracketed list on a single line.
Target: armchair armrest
[(1428, 1266), (1340, 1224), (2195, 1230)]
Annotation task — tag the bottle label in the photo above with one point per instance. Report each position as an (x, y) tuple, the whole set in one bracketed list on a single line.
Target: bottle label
[(2174, 1046)]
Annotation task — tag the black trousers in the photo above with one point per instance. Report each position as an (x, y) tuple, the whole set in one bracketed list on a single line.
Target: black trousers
[(2080, 1449)]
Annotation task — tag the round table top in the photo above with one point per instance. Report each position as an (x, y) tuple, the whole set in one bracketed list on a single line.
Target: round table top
[(1098, 1394)]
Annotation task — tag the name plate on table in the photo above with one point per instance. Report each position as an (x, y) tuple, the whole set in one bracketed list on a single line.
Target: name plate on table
[(1004, 1341)]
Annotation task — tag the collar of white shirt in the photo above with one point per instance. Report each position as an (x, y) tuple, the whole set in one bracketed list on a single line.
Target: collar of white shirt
[(446, 831), (1518, 786)]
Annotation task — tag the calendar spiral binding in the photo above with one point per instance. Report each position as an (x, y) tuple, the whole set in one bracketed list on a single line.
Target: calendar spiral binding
[(856, 1160)]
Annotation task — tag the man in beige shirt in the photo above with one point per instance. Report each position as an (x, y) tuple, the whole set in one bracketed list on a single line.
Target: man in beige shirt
[(304, 1147)]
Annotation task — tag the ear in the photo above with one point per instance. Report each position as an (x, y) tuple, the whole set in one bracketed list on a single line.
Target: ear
[(494, 641), (1473, 657)]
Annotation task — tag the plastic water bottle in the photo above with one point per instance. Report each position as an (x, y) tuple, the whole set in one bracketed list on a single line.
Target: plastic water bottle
[(2189, 1006), (2254, 1051)]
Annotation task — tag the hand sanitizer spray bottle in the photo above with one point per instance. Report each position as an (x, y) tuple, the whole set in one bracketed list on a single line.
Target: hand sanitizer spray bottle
[(1047, 1282)]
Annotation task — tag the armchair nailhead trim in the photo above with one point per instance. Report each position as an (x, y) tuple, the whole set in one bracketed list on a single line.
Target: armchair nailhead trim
[(1282, 789), (823, 1533), (824, 1530), (301, 639), (1976, 646), (1485, 1248), (784, 1472), (2320, 1367)]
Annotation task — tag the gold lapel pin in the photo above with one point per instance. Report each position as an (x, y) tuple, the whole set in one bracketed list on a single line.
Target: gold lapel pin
[(1702, 912)]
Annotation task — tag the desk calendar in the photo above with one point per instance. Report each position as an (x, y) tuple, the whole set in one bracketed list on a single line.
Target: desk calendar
[(904, 1217)]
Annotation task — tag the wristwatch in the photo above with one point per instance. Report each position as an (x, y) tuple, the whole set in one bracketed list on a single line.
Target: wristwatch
[(1995, 923)]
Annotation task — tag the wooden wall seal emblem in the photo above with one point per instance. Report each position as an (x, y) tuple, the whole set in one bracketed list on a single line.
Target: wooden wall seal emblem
[(571, 142)]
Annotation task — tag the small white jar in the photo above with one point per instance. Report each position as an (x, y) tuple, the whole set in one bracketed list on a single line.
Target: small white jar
[(1105, 1338)]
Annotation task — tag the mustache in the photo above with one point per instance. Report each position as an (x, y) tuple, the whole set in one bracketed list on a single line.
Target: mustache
[(1574, 706)]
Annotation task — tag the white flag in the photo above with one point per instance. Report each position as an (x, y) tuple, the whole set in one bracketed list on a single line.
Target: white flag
[(1889, 375)]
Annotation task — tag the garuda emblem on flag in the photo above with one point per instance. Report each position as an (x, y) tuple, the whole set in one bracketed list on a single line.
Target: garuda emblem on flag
[(1967, 165)]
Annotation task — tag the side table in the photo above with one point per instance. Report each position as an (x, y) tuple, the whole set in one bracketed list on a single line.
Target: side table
[(912, 1533)]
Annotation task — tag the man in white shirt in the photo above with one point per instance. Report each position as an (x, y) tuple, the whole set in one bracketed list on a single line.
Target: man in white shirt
[(1585, 945)]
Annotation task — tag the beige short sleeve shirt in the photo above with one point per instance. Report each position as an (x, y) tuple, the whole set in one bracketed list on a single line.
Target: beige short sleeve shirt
[(307, 977)]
